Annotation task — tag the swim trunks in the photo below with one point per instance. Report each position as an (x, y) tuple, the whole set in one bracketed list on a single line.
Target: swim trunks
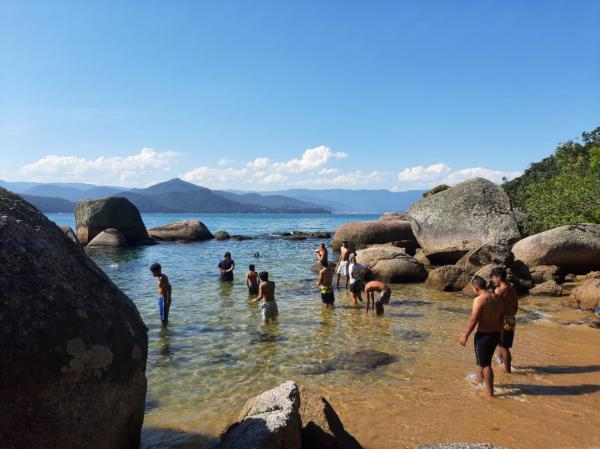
[(508, 332), (269, 310), (327, 295), (384, 296), (343, 268), (164, 311), (253, 289), (357, 286), (485, 345)]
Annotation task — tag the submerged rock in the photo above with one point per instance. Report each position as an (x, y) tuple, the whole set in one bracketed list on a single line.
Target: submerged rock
[(183, 230), (222, 235), (586, 296), (448, 278), (574, 248), (361, 234), (240, 238), (360, 360), (391, 264), (72, 371), (450, 223), (109, 237), (94, 216)]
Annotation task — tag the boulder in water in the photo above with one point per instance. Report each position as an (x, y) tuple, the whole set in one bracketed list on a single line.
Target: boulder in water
[(548, 288), (574, 248), (360, 360), (448, 278), (361, 234), (450, 223), (222, 235), (183, 230), (395, 216), (484, 255), (391, 264), (72, 371), (586, 296), (94, 216), (109, 237), (545, 273)]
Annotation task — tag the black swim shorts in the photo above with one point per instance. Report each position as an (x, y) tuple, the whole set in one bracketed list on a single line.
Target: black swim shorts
[(485, 345), (507, 339), (327, 298), (357, 287)]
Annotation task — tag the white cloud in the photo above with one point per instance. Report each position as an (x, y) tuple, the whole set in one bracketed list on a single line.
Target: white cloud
[(273, 178), (224, 161), (441, 173), (311, 160), (135, 169)]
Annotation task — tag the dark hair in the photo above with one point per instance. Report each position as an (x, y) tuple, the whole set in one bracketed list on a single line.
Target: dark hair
[(345, 242), (479, 282), (155, 267), (264, 276), (499, 272), (227, 255), (325, 263), (252, 267)]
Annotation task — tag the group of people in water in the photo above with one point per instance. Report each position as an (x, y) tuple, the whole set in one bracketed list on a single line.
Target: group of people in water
[(492, 317)]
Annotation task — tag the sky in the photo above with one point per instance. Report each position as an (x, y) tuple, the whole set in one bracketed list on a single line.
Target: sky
[(267, 95)]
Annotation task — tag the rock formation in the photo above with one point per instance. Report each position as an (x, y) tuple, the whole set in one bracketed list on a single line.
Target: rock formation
[(390, 264), (222, 235), (361, 234), (448, 278), (109, 237), (548, 288), (183, 230), (586, 296)]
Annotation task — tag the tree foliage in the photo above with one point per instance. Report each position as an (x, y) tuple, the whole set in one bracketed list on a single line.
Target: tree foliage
[(436, 189), (561, 189)]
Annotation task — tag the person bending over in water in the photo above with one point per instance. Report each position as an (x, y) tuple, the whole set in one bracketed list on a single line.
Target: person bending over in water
[(252, 280), (325, 283), (488, 317), (384, 295), (355, 274), (226, 267), (266, 293), (321, 254), (508, 294), (342, 268), (164, 290)]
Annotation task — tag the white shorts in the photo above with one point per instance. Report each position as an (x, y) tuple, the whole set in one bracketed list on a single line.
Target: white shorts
[(269, 310), (343, 268)]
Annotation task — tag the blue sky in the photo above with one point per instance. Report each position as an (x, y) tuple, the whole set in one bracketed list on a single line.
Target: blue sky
[(382, 94)]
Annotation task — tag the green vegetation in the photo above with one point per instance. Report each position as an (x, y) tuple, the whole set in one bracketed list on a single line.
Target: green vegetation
[(561, 189), (436, 189)]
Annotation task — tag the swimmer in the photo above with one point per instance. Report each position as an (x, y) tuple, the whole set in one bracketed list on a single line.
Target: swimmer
[(384, 295), (342, 268), (164, 290), (266, 293), (488, 317), (226, 267), (252, 280), (325, 283), (508, 294), (321, 253)]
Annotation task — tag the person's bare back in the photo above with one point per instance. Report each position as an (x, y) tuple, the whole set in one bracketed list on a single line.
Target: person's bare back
[(491, 312), (325, 277), (267, 291), (508, 294)]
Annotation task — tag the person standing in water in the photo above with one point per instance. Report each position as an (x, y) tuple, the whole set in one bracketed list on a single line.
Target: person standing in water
[(164, 290), (508, 294), (321, 254), (226, 267), (355, 274), (252, 280), (488, 317), (342, 268), (266, 293), (385, 292), (325, 283)]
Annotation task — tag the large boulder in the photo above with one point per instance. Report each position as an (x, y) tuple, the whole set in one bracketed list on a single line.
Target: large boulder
[(545, 273), (394, 216), (574, 248), (68, 230), (586, 296), (390, 264), (183, 230), (361, 234), (222, 235), (109, 237), (450, 223), (484, 255), (548, 288), (448, 278), (517, 275), (94, 216), (73, 346)]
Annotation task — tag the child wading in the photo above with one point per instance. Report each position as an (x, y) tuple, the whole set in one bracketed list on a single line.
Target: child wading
[(164, 290), (266, 293), (252, 280)]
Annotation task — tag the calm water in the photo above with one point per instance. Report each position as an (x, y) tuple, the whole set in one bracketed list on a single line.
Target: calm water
[(217, 352)]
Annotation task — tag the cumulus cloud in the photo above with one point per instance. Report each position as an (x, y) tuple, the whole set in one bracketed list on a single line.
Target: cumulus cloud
[(136, 169), (311, 159), (224, 161), (441, 173)]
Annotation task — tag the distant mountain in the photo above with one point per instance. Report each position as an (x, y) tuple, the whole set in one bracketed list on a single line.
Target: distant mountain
[(49, 204), (279, 202), (171, 186), (69, 191)]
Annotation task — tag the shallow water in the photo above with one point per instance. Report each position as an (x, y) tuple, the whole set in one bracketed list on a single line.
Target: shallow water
[(217, 352)]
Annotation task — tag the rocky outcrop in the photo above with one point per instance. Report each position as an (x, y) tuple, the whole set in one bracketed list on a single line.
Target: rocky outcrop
[(548, 288), (287, 417), (390, 264), (94, 216), (68, 230), (450, 223), (484, 255), (394, 216), (183, 230), (72, 370), (361, 234), (586, 296), (421, 257), (222, 235), (517, 274), (545, 273), (109, 237), (574, 248), (448, 278)]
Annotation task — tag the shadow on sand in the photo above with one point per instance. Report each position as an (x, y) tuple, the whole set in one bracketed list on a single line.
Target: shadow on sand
[(550, 390), (562, 369)]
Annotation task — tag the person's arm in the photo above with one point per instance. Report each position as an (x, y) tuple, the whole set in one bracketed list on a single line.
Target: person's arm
[(473, 320), (220, 268), (260, 294), (320, 277), (232, 266)]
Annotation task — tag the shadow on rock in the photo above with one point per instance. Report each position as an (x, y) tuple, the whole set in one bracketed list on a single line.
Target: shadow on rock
[(159, 438)]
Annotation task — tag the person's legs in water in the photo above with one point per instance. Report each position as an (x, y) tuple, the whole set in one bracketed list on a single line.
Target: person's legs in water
[(379, 308), (488, 379)]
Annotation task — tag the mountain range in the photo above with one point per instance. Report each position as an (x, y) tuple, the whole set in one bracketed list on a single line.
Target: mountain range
[(178, 196)]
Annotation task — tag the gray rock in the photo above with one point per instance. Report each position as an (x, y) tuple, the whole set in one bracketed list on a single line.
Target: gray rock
[(240, 238), (183, 230), (421, 257), (391, 264), (94, 216), (394, 216), (585, 296), (361, 234), (517, 275), (484, 255), (545, 273), (109, 237), (360, 360), (450, 223), (320, 235), (222, 235), (574, 248), (548, 288), (68, 230), (72, 371), (448, 278)]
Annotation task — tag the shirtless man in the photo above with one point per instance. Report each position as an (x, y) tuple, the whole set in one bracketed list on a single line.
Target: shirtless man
[(508, 294), (384, 295), (488, 316), (342, 268), (325, 283), (321, 253), (164, 290), (266, 293), (252, 280)]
